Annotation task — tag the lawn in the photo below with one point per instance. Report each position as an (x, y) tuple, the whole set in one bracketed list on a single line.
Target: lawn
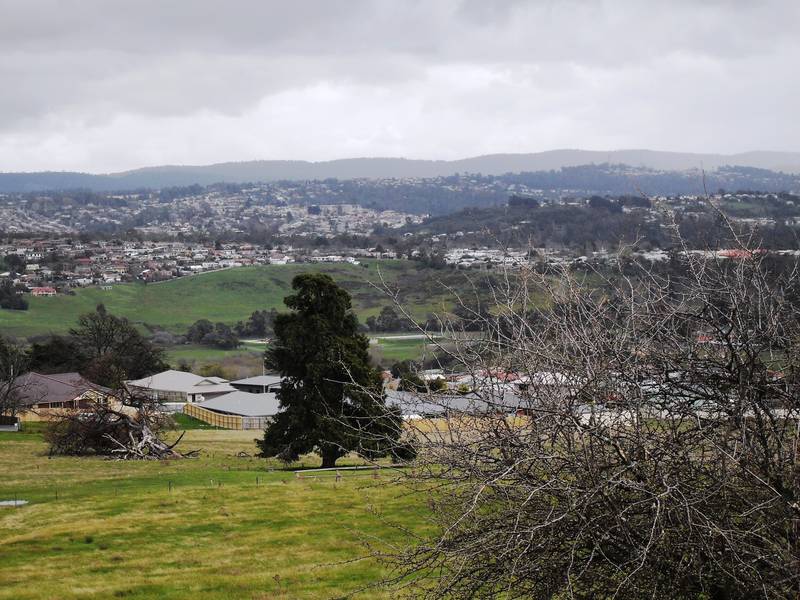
[(393, 350), (231, 295), (190, 352), (215, 527)]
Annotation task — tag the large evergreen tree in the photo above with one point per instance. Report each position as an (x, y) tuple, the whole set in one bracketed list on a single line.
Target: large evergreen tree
[(330, 395)]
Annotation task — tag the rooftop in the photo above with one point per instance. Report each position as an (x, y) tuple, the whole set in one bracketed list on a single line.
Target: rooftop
[(181, 381), (259, 380), (244, 404), (35, 388)]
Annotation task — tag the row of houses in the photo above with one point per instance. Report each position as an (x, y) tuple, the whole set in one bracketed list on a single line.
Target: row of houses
[(252, 402), (44, 396)]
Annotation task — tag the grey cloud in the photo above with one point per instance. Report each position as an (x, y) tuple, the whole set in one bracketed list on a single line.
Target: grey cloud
[(107, 84)]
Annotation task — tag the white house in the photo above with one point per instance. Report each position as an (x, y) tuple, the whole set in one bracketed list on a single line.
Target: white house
[(173, 388)]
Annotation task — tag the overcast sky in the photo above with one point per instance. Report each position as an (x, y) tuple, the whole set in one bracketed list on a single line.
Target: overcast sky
[(106, 85)]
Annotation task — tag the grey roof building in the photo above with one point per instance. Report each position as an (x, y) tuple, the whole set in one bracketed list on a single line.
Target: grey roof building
[(59, 390), (260, 384), (244, 404), (180, 387), (413, 405)]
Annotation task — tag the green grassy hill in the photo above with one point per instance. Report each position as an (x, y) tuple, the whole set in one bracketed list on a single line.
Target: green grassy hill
[(229, 296)]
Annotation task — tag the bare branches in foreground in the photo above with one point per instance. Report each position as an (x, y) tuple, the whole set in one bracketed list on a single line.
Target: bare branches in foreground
[(631, 433)]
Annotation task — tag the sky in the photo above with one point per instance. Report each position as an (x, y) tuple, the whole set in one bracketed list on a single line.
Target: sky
[(110, 85)]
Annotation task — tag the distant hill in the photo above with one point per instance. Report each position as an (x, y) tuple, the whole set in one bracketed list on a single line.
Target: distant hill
[(352, 168)]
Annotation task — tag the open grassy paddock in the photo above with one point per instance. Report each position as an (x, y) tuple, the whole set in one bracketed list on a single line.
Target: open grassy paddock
[(214, 527), (232, 295), (397, 348)]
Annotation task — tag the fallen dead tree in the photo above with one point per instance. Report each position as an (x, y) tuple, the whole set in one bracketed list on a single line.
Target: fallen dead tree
[(123, 433)]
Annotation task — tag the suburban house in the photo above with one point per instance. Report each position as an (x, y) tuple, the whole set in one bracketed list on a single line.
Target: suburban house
[(44, 396), (258, 385), (173, 388), (43, 291), (237, 410)]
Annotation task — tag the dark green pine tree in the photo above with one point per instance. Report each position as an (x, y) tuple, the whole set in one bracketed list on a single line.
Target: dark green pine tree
[(330, 396)]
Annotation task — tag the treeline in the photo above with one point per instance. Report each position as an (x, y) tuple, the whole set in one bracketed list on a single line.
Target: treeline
[(10, 298), (389, 320), (102, 347), (219, 335), (601, 223), (622, 179)]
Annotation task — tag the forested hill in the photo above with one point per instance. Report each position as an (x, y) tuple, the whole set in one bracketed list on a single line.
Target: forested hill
[(587, 224), (381, 168), (433, 196)]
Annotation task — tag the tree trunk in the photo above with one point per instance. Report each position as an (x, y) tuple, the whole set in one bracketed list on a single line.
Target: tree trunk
[(329, 456)]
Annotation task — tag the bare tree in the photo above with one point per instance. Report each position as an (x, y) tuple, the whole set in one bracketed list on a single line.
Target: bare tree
[(13, 363), (650, 447)]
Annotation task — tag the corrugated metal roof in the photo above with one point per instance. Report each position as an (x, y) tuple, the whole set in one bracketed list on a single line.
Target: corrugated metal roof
[(259, 380), (244, 404), (411, 403)]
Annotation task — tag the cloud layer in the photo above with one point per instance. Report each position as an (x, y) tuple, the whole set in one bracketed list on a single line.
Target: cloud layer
[(103, 85)]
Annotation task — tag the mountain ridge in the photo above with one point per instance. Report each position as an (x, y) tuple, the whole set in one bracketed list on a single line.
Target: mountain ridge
[(388, 167)]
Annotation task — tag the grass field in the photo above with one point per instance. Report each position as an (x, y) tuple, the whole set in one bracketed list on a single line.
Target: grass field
[(229, 296), (98, 529), (247, 360), (395, 350)]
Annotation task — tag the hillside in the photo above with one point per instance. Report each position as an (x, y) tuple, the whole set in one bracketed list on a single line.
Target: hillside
[(227, 296), (350, 168)]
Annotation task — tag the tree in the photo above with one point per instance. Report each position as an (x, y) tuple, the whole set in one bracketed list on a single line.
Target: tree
[(216, 370), (222, 337), (114, 349), (388, 320), (517, 201), (406, 372), (15, 263), (257, 325), (198, 330), (13, 363), (57, 354), (9, 298), (330, 397), (657, 451)]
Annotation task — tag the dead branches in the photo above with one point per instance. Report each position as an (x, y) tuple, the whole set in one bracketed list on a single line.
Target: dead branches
[(115, 433)]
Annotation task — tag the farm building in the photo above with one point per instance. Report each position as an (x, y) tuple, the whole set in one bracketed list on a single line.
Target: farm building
[(258, 385), (237, 410), (173, 389), (44, 396)]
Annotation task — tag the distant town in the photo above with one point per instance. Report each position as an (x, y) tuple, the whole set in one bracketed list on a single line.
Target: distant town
[(53, 242)]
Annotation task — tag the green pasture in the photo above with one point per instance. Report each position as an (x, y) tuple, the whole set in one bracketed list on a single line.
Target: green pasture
[(395, 350), (391, 351), (232, 295), (215, 527), (190, 352)]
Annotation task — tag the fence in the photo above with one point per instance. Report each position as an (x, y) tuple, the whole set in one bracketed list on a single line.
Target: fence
[(9, 423), (225, 421)]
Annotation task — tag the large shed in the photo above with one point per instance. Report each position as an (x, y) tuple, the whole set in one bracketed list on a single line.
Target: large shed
[(237, 410)]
